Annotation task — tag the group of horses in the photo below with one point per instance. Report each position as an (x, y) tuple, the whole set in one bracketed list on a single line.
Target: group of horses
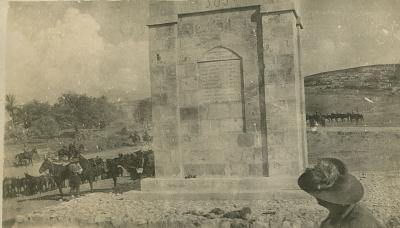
[(138, 164), (27, 185), (322, 119), (26, 157)]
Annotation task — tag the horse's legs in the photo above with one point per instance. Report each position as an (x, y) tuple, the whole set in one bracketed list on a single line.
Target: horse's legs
[(60, 189), (115, 181), (78, 190), (91, 183)]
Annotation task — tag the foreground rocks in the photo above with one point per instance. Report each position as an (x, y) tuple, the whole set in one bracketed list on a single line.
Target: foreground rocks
[(125, 210)]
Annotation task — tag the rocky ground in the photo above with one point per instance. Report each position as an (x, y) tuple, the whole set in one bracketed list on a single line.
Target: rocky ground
[(125, 210)]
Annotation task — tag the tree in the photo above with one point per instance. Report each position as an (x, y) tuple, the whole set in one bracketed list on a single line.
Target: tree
[(45, 127), (82, 111), (11, 107), (33, 111)]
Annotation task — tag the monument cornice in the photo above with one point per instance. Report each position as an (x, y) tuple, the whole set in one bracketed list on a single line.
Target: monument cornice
[(177, 9)]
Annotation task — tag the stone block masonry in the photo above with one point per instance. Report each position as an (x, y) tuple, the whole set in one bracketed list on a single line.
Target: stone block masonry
[(226, 88)]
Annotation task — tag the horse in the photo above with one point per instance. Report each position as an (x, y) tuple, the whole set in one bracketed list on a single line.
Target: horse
[(343, 117), (26, 155), (18, 185), (36, 184), (7, 187), (59, 173), (51, 185), (89, 171), (357, 117), (98, 165), (113, 170), (139, 159), (149, 169), (130, 162), (335, 116)]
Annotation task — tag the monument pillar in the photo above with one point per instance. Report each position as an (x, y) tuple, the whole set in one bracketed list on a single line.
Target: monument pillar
[(227, 95), (284, 89)]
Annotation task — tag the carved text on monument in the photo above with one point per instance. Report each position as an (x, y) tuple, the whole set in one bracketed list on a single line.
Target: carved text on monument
[(219, 81), (219, 3)]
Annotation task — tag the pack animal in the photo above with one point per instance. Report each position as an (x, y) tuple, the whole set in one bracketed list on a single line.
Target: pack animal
[(58, 172)]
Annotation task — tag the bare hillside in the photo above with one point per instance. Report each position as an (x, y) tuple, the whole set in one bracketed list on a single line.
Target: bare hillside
[(373, 91)]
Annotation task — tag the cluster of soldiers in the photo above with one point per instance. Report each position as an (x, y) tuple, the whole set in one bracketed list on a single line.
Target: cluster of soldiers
[(72, 151), (321, 119), (136, 139)]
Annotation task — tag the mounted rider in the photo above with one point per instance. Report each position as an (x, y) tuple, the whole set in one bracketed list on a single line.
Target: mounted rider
[(135, 137), (146, 137), (26, 149)]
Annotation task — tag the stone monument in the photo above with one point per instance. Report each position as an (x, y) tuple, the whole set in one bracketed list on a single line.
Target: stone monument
[(227, 96)]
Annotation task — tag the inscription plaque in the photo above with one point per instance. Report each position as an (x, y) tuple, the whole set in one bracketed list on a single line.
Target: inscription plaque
[(220, 82), (220, 77)]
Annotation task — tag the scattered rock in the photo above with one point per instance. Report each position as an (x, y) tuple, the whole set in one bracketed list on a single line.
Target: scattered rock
[(260, 225), (99, 219), (286, 224), (211, 216), (308, 224), (225, 224), (239, 224), (269, 212), (140, 221), (275, 213), (195, 212), (19, 219), (393, 222), (240, 214), (217, 211)]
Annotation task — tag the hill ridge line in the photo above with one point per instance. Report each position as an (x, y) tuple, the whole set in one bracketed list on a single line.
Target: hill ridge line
[(352, 68)]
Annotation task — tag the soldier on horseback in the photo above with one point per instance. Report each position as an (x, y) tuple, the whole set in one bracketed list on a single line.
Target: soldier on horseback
[(26, 156), (72, 148), (135, 138), (146, 138), (26, 150)]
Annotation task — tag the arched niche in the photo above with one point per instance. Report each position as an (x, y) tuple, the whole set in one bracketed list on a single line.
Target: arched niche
[(220, 88)]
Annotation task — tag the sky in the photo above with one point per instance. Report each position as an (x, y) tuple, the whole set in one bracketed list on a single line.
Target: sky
[(101, 48), (340, 34)]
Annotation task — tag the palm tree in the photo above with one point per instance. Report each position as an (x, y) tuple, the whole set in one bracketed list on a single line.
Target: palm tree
[(11, 107)]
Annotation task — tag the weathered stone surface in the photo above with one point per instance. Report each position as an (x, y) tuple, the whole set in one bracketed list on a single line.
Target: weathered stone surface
[(226, 88)]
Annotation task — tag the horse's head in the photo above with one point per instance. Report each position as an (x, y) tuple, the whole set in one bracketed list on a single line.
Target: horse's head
[(45, 165)]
